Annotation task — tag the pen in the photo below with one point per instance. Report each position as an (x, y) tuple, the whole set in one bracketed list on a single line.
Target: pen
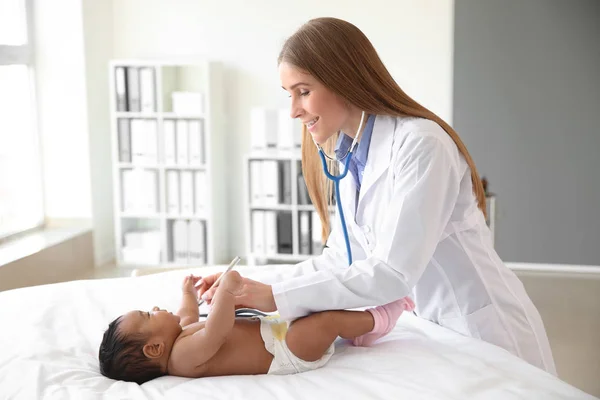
[(233, 263)]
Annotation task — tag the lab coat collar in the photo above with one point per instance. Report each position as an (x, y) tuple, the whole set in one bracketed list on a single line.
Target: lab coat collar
[(379, 155)]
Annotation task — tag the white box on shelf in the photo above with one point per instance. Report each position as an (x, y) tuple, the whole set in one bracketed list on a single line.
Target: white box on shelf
[(141, 256), (188, 103), (142, 239), (263, 128), (289, 131)]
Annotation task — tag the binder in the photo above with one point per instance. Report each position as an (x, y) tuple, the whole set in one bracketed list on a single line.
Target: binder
[(303, 197), (270, 232), (121, 88), (182, 142), (195, 143), (270, 182), (263, 128), (317, 245), (304, 232), (284, 232), (138, 141), (187, 193), (147, 94), (197, 243), (285, 182), (149, 192), (200, 197), (258, 232), (256, 183), (151, 141), (128, 190), (124, 141), (170, 148), (133, 90), (180, 241), (173, 192)]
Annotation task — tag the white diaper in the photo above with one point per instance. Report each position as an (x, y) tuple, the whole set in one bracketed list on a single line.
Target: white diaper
[(273, 331)]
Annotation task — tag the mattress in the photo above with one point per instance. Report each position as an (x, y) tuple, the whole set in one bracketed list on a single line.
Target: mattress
[(50, 334)]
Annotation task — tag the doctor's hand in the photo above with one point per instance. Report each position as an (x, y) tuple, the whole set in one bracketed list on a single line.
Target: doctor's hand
[(253, 294)]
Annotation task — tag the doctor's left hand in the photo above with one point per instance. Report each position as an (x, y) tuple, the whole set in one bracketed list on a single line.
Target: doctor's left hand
[(253, 294)]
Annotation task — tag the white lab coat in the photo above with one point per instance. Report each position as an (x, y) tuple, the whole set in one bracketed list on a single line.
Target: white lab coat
[(416, 230)]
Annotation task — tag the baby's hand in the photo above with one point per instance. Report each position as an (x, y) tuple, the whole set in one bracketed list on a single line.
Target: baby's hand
[(232, 282), (188, 284)]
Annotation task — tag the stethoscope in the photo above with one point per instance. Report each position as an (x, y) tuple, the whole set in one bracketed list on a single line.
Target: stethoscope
[(337, 178)]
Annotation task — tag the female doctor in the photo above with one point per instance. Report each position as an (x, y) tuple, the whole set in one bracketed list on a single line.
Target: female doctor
[(412, 201)]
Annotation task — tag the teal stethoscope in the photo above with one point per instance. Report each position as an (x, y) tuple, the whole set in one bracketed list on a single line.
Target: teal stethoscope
[(337, 178)]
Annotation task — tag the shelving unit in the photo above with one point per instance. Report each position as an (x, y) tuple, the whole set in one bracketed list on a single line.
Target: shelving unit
[(294, 203), (259, 256), (144, 196)]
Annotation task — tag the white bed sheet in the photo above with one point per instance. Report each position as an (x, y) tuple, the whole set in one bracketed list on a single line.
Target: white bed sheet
[(49, 340)]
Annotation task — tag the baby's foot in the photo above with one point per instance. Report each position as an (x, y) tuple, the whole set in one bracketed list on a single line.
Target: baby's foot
[(385, 318)]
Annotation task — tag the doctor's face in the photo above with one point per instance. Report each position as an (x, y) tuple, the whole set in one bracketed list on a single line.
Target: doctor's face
[(322, 111)]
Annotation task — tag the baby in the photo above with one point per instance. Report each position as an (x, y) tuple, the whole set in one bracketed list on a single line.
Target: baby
[(140, 346)]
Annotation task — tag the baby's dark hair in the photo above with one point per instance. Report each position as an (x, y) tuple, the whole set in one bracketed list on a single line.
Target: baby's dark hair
[(122, 357)]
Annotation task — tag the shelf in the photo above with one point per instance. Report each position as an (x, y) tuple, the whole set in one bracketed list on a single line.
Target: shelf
[(186, 167), (127, 114), (140, 215), (274, 207), (144, 166), (172, 115), (275, 154), (187, 216)]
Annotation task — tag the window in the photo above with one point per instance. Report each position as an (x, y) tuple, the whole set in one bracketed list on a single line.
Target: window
[(21, 193)]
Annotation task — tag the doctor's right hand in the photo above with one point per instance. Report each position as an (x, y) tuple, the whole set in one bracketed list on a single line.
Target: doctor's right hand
[(253, 294)]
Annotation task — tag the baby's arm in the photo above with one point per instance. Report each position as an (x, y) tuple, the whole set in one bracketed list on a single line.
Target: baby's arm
[(200, 347), (188, 310)]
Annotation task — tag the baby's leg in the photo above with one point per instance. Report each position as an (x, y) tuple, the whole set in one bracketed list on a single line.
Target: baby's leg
[(310, 337)]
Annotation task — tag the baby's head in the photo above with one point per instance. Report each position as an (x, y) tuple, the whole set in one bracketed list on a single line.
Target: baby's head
[(137, 345)]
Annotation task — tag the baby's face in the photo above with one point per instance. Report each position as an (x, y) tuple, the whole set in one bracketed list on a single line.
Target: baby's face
[(156, 322)]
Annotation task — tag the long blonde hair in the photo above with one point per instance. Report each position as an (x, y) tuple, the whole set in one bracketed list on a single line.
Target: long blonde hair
[(341, 57)]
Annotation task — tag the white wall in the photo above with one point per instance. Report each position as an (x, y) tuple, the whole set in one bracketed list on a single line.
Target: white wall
[(414, 39), (61, 93), (97, 22)]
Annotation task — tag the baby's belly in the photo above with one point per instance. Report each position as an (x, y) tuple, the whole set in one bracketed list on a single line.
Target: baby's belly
[(243, 353)]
